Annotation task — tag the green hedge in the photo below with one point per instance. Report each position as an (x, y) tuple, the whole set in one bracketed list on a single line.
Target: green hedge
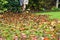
[(14, 5), (2, 5)]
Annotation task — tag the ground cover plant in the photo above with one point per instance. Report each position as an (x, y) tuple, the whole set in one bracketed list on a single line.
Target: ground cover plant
[(28, 26)]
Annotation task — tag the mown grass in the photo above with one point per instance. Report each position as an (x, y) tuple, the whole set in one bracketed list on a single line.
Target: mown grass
[(53, 14)]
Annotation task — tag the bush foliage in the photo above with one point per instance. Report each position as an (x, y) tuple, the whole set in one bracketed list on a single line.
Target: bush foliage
[(14, 5), (2, 5)]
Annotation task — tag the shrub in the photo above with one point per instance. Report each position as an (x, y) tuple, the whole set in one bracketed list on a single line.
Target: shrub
[(55, 9), (2, 5), (41, 5), (36, 5)]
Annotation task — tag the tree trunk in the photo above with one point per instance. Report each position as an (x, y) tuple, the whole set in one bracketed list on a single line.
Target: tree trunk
[(57, 3)]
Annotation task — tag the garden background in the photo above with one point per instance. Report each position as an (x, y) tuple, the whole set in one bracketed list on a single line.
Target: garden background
[(40, 21)]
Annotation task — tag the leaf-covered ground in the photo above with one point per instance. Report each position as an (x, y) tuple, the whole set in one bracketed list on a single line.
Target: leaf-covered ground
[(28, 26)]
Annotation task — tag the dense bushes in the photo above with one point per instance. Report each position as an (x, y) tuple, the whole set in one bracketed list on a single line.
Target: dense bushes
[(41, 4), (36, 5), (13, 5), (2, 5), (10, 5)]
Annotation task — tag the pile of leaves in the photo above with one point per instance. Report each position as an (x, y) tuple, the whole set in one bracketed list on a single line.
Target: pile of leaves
[(28, 26)]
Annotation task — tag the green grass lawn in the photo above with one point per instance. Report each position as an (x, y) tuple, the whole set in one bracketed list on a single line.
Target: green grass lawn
[(53, 14)]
